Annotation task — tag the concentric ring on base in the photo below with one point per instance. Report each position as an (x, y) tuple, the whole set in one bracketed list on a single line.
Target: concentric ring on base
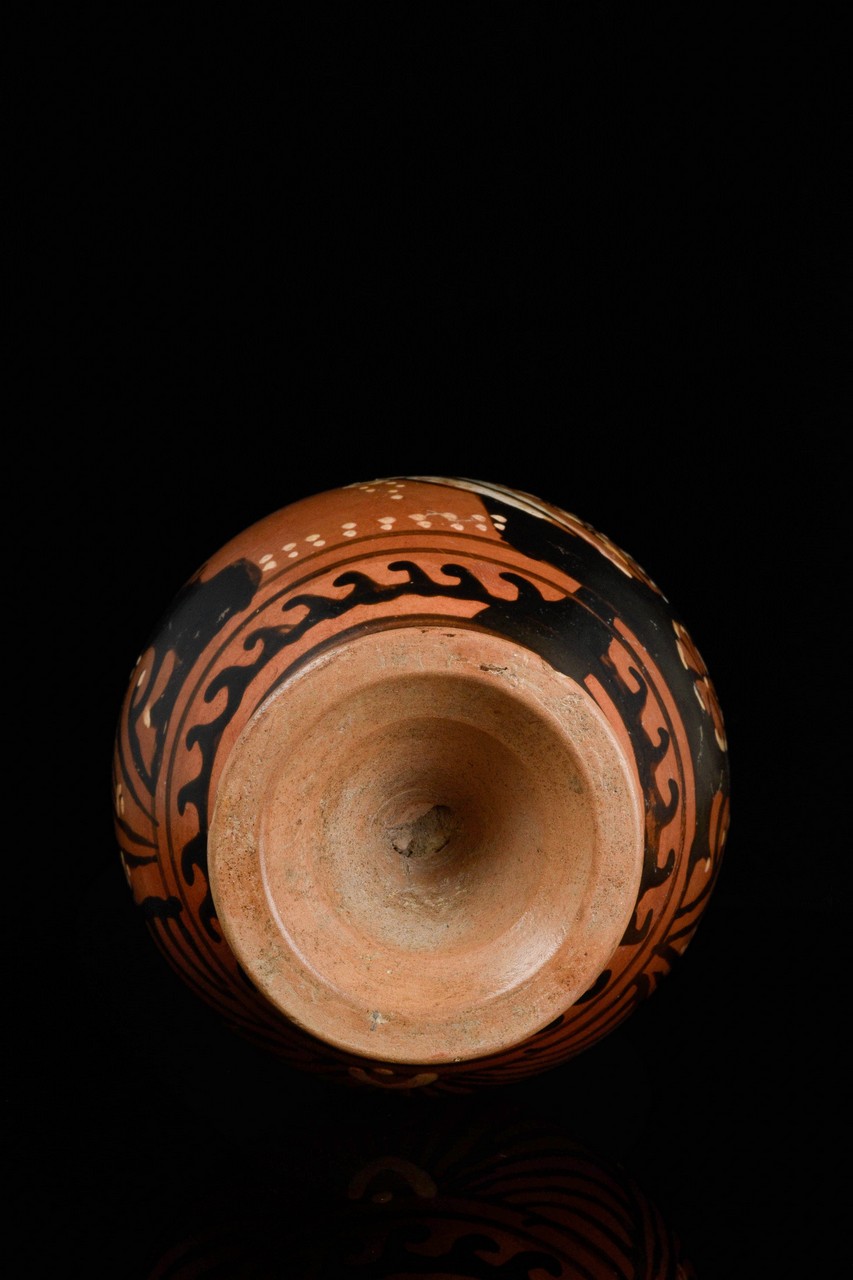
[(426, 845)]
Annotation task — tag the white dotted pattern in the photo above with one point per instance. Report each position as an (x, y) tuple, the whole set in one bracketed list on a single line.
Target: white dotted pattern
[(475, 522)]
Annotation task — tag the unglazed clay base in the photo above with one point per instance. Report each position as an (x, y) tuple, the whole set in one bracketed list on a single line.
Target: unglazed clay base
[(426, 844)]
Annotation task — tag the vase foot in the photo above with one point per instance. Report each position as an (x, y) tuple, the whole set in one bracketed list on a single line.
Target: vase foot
[(427, 844)]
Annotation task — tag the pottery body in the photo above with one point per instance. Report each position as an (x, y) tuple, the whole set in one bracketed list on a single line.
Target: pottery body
[(421, 782)]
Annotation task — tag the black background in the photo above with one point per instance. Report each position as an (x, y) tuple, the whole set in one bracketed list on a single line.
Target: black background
[(595, 255)]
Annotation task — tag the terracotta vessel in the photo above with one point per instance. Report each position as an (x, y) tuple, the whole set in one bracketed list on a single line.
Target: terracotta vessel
[(421, 782)]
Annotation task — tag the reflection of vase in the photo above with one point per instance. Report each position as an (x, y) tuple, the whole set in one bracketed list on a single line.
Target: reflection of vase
[(514, 1198), (534, 1203), (421, 783)]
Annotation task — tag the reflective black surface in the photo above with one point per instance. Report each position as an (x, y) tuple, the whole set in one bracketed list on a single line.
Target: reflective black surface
[(603, 266)]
